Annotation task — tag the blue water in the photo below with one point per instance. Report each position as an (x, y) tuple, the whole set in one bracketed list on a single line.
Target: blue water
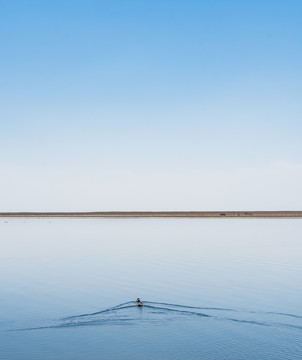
[(211, 288)]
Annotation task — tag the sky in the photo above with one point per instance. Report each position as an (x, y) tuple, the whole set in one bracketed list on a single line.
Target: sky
[(150, 105)]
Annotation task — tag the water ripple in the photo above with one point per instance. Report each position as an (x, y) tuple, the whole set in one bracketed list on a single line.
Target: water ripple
[(122, 314)]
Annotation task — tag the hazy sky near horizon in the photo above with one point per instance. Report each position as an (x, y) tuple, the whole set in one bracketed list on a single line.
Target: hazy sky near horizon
[(150, 105)]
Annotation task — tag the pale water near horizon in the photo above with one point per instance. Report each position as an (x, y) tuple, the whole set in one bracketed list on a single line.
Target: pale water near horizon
[(212, 289)]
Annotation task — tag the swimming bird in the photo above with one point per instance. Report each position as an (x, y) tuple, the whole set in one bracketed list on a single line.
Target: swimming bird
[(140, 303), (138, 300)]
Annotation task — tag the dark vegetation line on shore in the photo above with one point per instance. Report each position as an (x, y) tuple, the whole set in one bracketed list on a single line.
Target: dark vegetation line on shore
[(155, 214)]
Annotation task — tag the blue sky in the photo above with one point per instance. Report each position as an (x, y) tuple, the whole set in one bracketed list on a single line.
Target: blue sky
[(150, 105)]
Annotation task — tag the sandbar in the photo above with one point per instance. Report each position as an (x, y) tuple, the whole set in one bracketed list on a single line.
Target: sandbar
[(155, 214)]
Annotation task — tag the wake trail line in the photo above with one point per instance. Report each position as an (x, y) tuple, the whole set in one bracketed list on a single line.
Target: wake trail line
[(189, 307), (113, 309)]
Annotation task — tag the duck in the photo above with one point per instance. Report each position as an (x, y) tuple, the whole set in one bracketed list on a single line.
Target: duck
[(138, 300), (140, 303)]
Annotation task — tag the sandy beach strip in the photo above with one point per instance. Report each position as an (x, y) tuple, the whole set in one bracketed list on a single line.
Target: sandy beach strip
[(155, 214)]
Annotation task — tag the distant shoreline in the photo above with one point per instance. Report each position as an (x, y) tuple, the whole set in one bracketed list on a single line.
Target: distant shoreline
[(155, 214)]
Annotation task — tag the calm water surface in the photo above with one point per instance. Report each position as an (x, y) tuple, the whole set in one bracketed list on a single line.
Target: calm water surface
[(212, 289)]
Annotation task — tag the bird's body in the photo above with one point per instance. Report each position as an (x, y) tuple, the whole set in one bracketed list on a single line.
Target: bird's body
[(139, 302)]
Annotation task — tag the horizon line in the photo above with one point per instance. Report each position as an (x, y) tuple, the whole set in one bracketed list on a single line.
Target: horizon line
[(153, 214)]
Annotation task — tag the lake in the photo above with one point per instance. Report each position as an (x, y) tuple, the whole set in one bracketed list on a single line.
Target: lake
[(211, 289)]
